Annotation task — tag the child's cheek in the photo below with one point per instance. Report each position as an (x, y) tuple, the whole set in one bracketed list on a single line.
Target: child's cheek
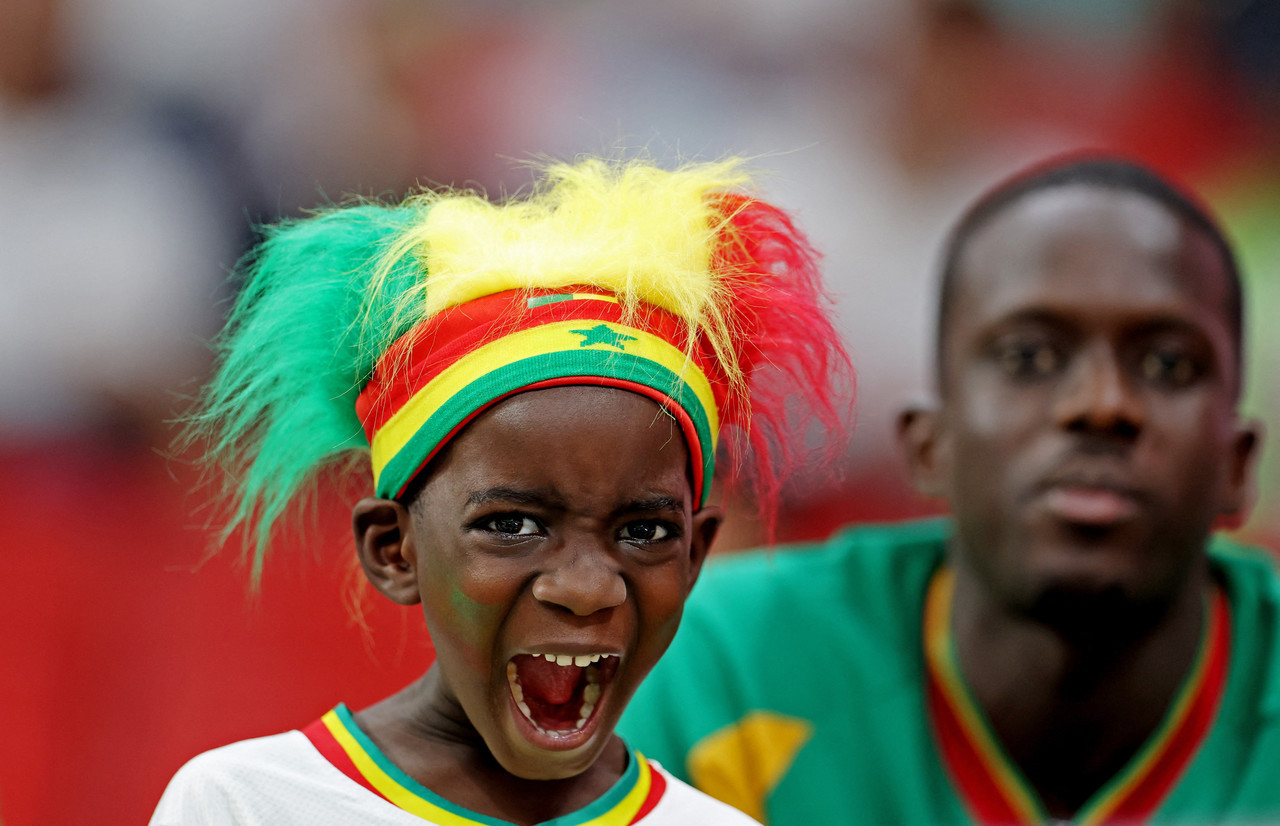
[(468, 613), (661, 592), (476, 620), (668, 612)]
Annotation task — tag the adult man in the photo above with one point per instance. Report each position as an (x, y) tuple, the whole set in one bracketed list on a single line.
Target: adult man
[(1074, 644)]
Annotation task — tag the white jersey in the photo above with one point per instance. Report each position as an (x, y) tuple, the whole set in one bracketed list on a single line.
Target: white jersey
[(331, 773)]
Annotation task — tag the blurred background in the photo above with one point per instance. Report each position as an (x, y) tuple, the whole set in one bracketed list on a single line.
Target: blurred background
[(141, 141)]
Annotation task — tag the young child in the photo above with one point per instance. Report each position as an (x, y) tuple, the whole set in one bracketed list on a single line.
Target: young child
[(540, 386)]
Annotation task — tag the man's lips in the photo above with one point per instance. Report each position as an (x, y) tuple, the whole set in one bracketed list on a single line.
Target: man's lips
[(1091, 493), (1091, 505)]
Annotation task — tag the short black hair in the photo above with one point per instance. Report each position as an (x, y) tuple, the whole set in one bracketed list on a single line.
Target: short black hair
[(1092, 170)]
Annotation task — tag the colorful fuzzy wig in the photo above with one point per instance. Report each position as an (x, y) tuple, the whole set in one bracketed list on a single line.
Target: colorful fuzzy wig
[(382, 330)]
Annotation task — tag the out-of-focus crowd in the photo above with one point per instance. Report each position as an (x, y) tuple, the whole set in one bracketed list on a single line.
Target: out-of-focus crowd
[(142, 141)]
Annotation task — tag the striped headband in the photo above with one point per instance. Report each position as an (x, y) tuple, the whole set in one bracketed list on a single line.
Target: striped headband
[(450, 367)]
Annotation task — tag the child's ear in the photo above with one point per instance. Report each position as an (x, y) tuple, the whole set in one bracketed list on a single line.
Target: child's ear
[(384, 544), (706, 524)]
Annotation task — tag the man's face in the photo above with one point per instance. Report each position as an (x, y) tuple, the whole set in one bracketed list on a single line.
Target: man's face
[(1087, 438), (560, 523)]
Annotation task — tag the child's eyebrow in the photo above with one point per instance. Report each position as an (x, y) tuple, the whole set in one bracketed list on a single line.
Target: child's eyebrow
[(539, 496), (658, 502), (544, 497)]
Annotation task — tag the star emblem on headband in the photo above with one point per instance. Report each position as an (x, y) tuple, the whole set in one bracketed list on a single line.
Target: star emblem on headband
[(603, 334)]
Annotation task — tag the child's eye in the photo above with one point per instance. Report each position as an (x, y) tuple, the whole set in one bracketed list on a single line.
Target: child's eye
[(645, 530), (511, 524)]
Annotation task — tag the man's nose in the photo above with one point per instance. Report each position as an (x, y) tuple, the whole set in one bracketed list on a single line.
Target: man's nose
[(582, 579), (1098, 396)]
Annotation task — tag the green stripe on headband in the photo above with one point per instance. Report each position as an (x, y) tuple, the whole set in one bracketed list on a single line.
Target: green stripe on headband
[(605, 364)]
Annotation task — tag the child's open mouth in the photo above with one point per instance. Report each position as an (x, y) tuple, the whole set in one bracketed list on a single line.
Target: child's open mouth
[(558, 692)]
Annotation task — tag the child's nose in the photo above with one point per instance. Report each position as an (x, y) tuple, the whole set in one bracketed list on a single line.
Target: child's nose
[(581, 580)]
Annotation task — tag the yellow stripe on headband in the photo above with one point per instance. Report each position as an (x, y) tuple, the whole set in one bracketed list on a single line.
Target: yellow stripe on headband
[(557, 337)]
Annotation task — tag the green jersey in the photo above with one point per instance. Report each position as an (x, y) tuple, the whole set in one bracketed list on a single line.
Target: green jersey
[(799, 689)]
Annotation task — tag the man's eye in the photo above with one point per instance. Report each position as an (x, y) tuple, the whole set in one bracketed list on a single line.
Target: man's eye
[(645, 531), (1170, 367), (1027, 359), (512, 525)]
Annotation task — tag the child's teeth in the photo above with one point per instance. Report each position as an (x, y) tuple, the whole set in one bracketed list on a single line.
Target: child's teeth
[(585, 712), (590, 693), (513, 679), (580, 660)]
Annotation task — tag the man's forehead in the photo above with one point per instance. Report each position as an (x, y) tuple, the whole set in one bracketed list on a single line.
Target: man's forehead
[(1088, 249)]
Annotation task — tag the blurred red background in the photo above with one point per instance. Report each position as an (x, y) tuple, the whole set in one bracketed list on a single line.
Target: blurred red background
[(124, 653), (140, 141)]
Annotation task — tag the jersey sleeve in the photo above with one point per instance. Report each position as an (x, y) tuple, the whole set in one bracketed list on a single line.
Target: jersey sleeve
[(266, 780), (195, 797)]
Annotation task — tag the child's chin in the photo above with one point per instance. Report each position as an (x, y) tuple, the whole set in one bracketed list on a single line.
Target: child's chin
[(538, 754), (537, 764)]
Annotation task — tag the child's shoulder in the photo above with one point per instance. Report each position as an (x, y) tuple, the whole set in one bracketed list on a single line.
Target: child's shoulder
[(685, 805), (264, 780), (247, 759)]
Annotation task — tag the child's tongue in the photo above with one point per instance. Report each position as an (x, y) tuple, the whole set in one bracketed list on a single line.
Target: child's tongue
[(550, 683)]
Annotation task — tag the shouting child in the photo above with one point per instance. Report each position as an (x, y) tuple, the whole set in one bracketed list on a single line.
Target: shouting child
[(540, 387)]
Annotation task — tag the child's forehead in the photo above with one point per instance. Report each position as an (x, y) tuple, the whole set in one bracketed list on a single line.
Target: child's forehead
[(575, 407)]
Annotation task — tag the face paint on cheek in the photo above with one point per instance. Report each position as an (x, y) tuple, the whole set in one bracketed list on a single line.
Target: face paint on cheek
[(467, 625), (472, 617)]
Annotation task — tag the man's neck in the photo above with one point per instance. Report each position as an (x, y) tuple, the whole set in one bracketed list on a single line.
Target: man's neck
[(1072, 706)]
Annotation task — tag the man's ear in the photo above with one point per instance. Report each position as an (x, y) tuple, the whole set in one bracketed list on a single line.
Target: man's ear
[(384, 544), (1241, 485), (926, 449), (706, 524)]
